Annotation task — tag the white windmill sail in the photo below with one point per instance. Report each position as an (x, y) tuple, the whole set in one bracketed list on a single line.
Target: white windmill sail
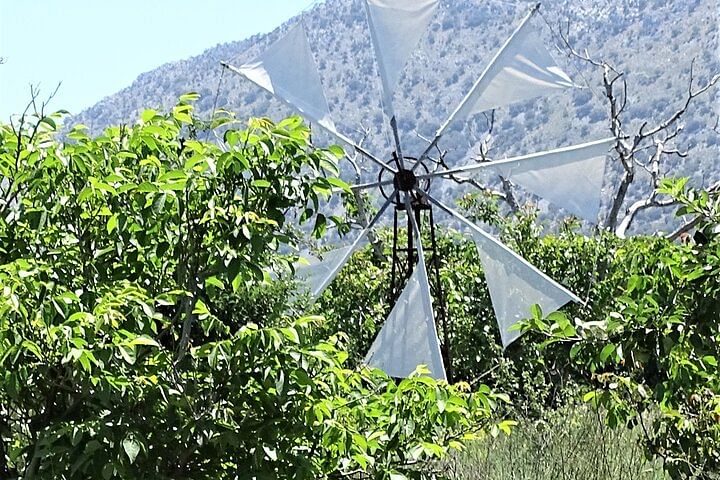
[(396, 27), (409, 336), (515, 285), (288, 71), (521, 70), (316, 275), (571, 178)]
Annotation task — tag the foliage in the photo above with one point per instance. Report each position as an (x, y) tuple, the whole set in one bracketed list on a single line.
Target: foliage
[(569, 443), (129, 340), (656, 346)]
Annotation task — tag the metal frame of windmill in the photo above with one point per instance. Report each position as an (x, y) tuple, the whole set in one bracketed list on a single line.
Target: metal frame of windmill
[(521, 69)]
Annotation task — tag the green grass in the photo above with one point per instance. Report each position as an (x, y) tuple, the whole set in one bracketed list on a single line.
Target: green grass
[(571, 444)]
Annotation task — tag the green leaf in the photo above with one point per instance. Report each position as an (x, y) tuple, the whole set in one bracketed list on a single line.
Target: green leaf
[(710, 360), (144, 340), (189, 97), (84, 360), (320, 225), (112, 223), (536, 312), (215, 282), (127, 353), (131, 447), (33, 348), (606, 352), (148, 115)]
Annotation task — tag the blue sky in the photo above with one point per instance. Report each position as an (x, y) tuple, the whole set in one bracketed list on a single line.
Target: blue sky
[(97, 47)]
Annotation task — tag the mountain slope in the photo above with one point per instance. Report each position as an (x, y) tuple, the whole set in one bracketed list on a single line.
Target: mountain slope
[(653, 41)]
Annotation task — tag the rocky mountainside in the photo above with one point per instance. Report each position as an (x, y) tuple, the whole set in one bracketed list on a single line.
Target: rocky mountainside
[(653, 41)]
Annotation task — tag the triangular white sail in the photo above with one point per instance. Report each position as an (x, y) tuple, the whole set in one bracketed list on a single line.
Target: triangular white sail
[(288, 71), (396, 27), (409, 336), (571, 178), (524, 70), (521, 70), (316, 274), (515, 286)]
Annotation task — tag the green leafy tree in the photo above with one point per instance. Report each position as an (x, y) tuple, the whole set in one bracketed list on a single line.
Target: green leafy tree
[(651, 358), (122, 355)]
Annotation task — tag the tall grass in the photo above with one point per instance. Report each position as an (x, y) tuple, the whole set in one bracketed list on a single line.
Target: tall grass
[(572, 443)]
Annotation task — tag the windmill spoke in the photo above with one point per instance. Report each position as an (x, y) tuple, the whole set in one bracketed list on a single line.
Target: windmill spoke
[(573, 153), (366, 186), (399, 160), (362, 151), (521, 69)]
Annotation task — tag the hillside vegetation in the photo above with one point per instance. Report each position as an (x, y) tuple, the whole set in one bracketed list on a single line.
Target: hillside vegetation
[(653, 42)]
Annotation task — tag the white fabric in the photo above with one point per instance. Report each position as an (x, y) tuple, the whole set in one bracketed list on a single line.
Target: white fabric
[(409, 336), (571, 178), (515, 286), (522, 69), (396, 27), (288, 71), (317, 274)]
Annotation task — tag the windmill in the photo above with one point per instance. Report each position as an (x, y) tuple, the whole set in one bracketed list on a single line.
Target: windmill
[(569, 177)]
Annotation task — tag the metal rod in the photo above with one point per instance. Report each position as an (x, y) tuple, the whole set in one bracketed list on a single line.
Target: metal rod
[(398, 147), (440, 300), (395, 260), (411, 228), (522, 158), (365, 186)]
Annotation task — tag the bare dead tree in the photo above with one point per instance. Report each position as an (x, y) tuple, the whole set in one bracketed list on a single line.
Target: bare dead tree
[(647, 147), (482, 154)]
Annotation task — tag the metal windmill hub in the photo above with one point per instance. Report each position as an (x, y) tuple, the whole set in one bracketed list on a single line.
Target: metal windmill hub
[(408, 180), (405, 180)]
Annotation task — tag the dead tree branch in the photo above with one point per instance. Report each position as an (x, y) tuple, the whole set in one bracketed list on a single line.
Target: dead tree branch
[(633, 149)]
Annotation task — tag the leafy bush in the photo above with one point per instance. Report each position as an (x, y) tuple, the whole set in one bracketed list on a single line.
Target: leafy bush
[(130, 266), (656, 345)]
